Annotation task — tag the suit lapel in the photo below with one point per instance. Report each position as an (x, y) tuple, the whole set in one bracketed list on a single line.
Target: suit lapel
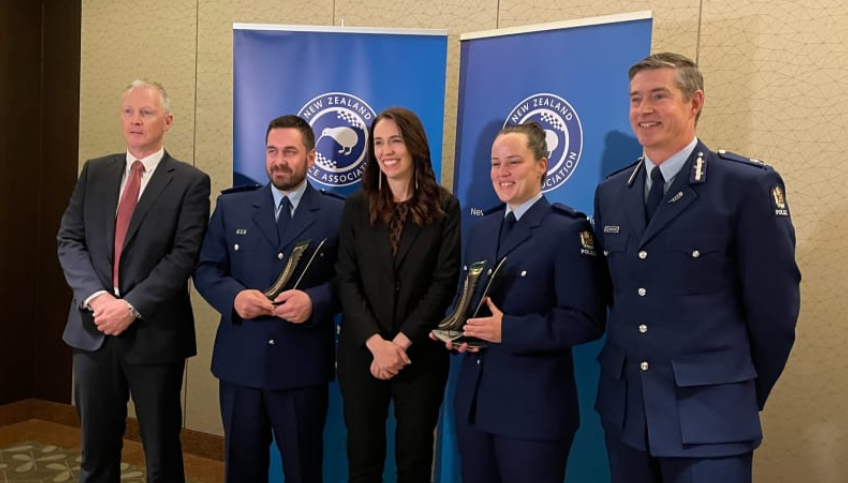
[(304, 217), (111, 193), (634, 201), (407, 239), (524, 227), (263, 215), (161, 178), (678, 197), (489, 243), (488, 252)]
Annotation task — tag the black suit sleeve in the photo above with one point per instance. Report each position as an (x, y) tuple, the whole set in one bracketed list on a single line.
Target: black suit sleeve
[(73, 252)]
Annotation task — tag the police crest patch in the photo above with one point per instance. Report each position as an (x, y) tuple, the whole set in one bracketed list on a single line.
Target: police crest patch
[(779, 202), (587, 243)]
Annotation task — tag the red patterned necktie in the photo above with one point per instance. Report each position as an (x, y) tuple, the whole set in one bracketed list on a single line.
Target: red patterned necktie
[(129, 199)]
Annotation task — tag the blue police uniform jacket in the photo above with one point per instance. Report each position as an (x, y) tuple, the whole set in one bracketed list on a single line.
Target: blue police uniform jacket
[(704, 301), (241, 251), (551, 298)]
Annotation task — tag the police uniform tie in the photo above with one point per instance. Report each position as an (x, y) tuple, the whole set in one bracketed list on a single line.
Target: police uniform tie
[(283, 216), (506, 227), (655, 195), (126, 207)]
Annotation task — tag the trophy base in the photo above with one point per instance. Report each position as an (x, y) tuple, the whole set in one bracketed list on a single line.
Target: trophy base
[(456, 337)]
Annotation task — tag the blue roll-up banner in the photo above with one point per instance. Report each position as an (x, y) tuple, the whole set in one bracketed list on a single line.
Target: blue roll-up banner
[(570, 77), (338, 79)]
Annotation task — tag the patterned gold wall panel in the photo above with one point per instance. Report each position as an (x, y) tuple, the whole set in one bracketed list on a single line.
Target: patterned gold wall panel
[(122, 41), (675, 21), (214, 149), (457, 16), (776, 77)]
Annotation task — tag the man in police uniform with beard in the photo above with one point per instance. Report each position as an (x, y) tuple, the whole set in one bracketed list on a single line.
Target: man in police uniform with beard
[(274, 358)]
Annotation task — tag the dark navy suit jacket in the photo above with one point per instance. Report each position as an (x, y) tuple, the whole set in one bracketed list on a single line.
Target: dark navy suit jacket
[(703, 309), (159, 253), (552, 299), (241, 251)]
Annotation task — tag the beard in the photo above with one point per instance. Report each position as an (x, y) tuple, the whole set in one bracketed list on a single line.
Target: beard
[(286, 179)]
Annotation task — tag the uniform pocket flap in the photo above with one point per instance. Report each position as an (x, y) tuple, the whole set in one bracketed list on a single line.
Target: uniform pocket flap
[(713, 368), (612, 361)]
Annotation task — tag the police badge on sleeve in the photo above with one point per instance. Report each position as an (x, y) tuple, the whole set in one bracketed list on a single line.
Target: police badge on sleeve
[(587, 244), (779, 200)]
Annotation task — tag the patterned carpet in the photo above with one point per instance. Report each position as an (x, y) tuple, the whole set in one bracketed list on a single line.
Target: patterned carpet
[(32, 462)]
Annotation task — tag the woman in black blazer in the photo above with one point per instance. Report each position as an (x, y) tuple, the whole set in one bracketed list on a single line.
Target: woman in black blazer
[(398, 267)]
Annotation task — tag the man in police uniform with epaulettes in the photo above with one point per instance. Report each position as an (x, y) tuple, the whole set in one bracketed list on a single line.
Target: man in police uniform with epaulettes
[(704, 292), (274, 359)]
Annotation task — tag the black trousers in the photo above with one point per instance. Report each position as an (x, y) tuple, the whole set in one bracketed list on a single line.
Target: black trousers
[(103, 383), (416, 392)]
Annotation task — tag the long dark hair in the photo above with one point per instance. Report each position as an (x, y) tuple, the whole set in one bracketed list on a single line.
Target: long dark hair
[(425, 203)]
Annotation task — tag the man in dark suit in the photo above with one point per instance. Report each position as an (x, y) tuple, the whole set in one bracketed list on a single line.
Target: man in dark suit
[(127, 244), (274, 359), (705, 292)]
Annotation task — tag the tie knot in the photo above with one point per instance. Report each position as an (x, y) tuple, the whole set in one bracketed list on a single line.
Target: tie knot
[(137, 166), (656, 175), (284, 208), (509, 220)]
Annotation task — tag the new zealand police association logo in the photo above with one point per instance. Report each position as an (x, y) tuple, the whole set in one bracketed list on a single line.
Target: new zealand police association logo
[(340, 121), (563, 133)]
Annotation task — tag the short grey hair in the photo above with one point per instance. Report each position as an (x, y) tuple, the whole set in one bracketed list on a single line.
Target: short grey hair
[(146, 84), (687, 76)]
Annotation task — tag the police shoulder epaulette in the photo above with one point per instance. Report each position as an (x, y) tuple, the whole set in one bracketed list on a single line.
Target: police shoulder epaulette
[(241, 188), (567, 210), (332, 194), (627, 168), (724, 154)]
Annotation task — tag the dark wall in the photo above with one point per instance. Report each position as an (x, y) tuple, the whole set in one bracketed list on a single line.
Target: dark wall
[(39, 141)]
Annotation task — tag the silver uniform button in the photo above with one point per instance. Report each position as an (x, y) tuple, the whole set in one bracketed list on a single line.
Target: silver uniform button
[(524, 273), (279, 256), (606, 253), (642, 292), (696, 254), (478, 361), (643, 365), (235, 247), (465, 267), (643, 254), (271, 342), (489, 272), (643, 328)]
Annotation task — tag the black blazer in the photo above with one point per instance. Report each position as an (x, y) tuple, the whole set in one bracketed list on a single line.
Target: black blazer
[(408, 293), (159, 253)]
